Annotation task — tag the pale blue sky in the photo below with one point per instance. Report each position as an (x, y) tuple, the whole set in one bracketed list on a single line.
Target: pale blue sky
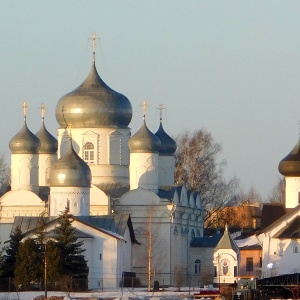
[(231, 67)]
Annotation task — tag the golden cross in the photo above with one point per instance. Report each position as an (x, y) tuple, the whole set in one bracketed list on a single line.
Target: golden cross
[(25, 106), (144, 105), (43, 108), (94, 39), (161, 108)]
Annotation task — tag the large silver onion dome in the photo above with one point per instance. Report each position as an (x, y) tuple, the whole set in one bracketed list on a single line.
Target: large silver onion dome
[(47, 140), (24, 142), (144, 141), (93, 104), (70, 170), (290, 165), (168, 145)]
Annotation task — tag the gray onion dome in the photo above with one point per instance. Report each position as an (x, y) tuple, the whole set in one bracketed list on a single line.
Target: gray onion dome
[(24, 142), (70, 170), (144, 141), (93, 104), (48, 141), (168, 145), (290, 165)]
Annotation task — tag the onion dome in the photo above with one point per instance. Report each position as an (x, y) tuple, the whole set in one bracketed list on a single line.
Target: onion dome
[(144, 141), (70, 170), (24, 142), (48, 141), (290, 165), (168, 145), (93, 104)]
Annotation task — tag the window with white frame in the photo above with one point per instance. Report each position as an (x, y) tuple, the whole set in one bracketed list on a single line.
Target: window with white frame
[(89, 153)]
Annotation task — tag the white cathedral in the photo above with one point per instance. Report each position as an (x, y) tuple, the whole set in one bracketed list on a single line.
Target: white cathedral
[(119, 188)]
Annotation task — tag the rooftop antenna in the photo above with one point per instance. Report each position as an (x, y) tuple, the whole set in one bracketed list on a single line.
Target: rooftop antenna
[(25, 106), (43, 108), (94, 40), (144, 105)]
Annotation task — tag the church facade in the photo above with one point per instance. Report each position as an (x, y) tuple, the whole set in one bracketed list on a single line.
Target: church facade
[(100, 172)]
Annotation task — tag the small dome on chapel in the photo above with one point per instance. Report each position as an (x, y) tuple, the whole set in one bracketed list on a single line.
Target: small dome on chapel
[(168, 145), (48, 141), (290, 165), (70, 170), (24, 142), (144, 141)]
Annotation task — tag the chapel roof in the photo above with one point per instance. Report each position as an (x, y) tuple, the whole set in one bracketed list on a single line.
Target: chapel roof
[(290, 231), (226, 242)]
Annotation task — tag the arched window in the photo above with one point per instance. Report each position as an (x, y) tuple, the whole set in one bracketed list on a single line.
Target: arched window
[(88, 153), (197, 266)]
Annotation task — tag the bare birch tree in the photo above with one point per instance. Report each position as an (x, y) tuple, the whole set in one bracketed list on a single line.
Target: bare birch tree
[(277, 194), (197, 166), (4, 171), (153, 249)]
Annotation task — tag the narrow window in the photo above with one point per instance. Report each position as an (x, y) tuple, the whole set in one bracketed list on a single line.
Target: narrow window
[(197, 266), (295, 250), (100, 256), (260, 262), (249, 264)]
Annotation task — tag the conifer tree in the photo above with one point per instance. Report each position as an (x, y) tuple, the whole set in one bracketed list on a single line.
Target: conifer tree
[(9, 259), (72, 262), (53, 262), (48, 254), (28, 267)]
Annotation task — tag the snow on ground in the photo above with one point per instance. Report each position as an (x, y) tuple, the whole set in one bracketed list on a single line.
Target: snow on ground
[(128, 293)]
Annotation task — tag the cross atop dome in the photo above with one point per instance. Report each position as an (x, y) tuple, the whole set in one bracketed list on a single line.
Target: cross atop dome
[(25, 107), (144, 106), (94, 39), (161, 107), (43, 108)]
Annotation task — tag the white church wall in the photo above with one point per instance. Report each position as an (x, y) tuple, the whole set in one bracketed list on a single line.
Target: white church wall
[(143, 171), (292, 189), (225, 262), (99, 202), (111, 152), (270, 261), (46, 161), (76, 198), (105, 262), (20, 203), (285, 258), (166, 167), (201, 266), (24, 172)]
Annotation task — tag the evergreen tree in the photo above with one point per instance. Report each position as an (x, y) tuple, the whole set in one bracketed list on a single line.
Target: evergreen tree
[(9, 259), (47, 252), (28, 266), (53, 262), (72, 262)]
